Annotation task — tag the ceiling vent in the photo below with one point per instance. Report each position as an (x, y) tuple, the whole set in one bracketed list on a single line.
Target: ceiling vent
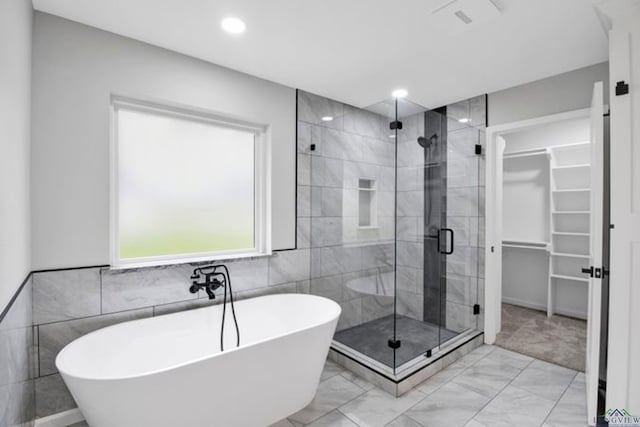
[(456, 16)]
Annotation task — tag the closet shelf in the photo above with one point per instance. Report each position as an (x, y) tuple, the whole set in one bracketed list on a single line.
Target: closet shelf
[(535, 248), (573, 190), (577, 279), (569, 167), (567, 233), (569, 255), (525, 244), (527, 153), (571, 212)]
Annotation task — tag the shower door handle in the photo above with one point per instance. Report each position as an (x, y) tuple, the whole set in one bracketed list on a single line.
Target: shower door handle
[(445, 251)]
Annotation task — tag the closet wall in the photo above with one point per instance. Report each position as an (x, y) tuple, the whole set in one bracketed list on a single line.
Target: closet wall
[(542, 170)]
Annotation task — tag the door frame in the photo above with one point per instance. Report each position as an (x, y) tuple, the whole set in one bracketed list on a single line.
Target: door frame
[(493, 215)]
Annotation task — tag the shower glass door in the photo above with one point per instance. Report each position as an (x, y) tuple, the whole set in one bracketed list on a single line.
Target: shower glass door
[(437, 220), (390, 197)]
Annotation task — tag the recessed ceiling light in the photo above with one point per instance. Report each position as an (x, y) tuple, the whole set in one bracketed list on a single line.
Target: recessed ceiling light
[(399, 93), (327, 118), (233, 25), (464, 120)]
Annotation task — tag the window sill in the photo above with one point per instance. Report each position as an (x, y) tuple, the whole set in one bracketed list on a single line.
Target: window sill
[(190, 260)]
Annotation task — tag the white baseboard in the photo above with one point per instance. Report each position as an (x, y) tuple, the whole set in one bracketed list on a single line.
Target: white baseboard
[(61, 419), (540, 307)]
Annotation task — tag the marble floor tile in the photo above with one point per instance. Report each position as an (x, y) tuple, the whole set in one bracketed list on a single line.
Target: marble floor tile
[(515, 407), (403, 421), (377, 408), (331, 394), (333, 419), (509, 358), (285, 423), (331, 369), (452, 405), (545, 379), (487, 377), (571, 409), (360, 382)]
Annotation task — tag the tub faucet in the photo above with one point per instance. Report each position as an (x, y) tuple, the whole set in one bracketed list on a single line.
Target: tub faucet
[(212, 280), (215, 276)]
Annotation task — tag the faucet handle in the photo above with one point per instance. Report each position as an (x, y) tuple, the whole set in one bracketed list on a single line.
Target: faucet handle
[(194, 288)]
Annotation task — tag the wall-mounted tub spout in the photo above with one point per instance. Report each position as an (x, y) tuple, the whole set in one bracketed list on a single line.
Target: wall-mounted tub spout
[(216, 276)]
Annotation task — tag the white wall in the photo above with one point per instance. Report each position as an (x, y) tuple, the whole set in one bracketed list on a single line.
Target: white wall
[(564, 92), (560, 133), (76, 69), (16, 17), (623, 374)]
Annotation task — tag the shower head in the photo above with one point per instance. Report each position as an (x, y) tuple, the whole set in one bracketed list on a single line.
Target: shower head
[(427, 142)]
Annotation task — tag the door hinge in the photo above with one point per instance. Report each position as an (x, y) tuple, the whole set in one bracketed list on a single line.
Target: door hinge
[(476, 309), (394, 344), (478, 149), (622, 88), (395, 125)]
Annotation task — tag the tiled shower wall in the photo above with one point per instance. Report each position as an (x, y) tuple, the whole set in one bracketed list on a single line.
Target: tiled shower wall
[(17, 392), (410, 260), (350, 264)]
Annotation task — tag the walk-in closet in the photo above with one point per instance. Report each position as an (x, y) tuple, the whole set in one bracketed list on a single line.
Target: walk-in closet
[(545, 246)]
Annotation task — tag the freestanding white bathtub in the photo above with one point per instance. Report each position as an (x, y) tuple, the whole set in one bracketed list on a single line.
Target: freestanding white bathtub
[(169, 371)]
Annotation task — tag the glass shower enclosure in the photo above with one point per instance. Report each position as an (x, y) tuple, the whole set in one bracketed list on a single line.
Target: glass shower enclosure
[(395, 225)]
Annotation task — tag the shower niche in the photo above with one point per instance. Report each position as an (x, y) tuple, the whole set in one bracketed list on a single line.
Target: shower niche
[(396, 231), (367, 203)]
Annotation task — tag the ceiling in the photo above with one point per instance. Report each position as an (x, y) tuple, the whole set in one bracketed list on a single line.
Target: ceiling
[(357, 51)]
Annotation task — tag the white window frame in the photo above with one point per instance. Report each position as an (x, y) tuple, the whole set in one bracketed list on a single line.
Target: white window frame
[(262, 182)]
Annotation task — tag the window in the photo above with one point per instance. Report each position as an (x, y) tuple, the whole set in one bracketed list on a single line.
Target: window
[(186, 186)]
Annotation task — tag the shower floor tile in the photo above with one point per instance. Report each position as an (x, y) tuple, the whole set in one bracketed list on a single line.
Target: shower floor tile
[(371, 338)]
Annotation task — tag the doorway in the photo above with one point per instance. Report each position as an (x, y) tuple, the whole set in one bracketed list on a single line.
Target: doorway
[(545, 206)]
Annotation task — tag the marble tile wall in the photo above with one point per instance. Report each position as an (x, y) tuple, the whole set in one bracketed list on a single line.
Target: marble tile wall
[(410, 260), (17, 367), (350, 264), (70, 303)]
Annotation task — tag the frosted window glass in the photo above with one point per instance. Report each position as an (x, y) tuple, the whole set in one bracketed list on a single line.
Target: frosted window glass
[(185, 186)]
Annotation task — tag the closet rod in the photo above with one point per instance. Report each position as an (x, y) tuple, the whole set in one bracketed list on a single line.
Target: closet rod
[(526, 153)]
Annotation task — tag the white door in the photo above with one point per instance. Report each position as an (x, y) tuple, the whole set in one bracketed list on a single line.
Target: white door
[(595, 281)]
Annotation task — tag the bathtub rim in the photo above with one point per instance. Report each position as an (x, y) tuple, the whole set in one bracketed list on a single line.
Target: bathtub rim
[(333, 318)]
